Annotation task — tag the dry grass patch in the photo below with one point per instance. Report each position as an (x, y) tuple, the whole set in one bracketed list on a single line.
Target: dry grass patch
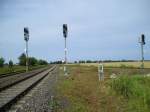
[(121, 64), (84, 92)]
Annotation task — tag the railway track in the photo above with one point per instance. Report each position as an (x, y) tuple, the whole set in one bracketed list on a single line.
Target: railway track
[(13, 79), (11, 92), (13, 73), (17, 72)]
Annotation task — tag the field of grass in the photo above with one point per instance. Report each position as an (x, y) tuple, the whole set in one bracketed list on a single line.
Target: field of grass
[(136, 90), (122, 64), (17, 68), (82, 92)]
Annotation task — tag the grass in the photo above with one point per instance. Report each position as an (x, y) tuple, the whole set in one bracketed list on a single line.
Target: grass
[(136, 90), (16, 68), (82, 92)]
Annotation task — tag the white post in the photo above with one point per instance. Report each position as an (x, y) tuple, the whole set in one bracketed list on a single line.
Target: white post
[(101, 72), (27, 60), (65, 69), (65, 51), (65, 32), (142, 56)]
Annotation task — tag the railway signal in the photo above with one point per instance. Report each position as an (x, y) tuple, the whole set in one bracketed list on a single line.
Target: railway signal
[(65, 34), (65, 30), (142, 42), (26, 38)]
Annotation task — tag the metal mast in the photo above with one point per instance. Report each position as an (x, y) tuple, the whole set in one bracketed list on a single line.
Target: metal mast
[(65, 33), (26, 38), (142, 42)]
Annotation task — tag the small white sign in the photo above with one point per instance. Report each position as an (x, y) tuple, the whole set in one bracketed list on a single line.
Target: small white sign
[(63, 61), (25, 50), (101, 72), (65, 49)]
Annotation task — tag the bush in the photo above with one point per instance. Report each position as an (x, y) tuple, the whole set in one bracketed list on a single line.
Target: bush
[(2, 62), (22, 59), (33, 61), (42, 62), (10, 64)]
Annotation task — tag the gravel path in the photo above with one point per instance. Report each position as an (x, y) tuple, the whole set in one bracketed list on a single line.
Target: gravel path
[(39, 98)]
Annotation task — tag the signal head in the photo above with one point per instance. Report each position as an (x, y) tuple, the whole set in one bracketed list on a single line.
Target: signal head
[(65, 30), (143, 39), (26, 34)]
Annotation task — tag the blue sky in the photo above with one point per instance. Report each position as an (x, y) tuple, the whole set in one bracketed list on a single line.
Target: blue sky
[(98, 29)]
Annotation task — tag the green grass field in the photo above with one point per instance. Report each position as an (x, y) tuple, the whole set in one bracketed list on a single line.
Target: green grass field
[(82, 92)]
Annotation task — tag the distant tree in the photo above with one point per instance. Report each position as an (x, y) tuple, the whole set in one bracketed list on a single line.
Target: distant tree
[(10, 64), (57, 62), (88, 61), (42, 62), (22, 59), (33, 61), (75, 62), (82, 61), (95, 61), (2, 60)]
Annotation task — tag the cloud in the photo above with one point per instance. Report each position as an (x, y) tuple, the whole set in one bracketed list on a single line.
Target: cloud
[(97, 28)]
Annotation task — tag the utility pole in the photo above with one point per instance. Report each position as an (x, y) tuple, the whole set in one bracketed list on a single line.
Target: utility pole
[(65, 33), (26, 38), (142, 42)]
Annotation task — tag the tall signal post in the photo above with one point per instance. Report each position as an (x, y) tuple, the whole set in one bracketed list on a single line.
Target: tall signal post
[(65, 33), (142, 42), (26, 38)]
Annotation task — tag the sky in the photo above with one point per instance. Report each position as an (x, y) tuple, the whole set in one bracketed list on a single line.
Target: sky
[(97, 29)]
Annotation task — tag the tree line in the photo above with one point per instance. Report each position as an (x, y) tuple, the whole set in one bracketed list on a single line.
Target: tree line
[(95, 61), (22, 61), (31, 60), (100, 61)]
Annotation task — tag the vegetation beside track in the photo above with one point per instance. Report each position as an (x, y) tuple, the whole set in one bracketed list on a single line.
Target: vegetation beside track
[(136, 91), (10, 67), (17, 68), (82, 92)]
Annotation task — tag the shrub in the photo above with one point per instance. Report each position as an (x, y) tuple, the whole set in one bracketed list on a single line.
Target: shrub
[(42, 62), (22, 59), (2, 62), (10, 64), (123, 86)]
